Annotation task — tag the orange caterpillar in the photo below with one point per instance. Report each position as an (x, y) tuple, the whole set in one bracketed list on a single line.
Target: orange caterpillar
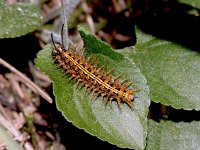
[(91, 77)]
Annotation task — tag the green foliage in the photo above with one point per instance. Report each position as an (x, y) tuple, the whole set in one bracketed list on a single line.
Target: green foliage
[(172, 71), (168, 67), (174, 136), (124, 128), (194, 3), (18, 19)]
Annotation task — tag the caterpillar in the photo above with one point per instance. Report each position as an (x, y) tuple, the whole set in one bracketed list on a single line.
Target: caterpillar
[(90, 76)]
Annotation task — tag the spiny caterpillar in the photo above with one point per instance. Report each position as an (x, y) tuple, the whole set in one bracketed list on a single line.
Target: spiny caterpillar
[(90, 76)]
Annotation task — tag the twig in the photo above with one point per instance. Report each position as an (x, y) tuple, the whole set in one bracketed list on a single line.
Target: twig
[(15, 85), (64, 21), (89, 18), (4, 112), (56, 11), (25, 80), (2, 146), (15, 132), (53, 13), (70, 6)]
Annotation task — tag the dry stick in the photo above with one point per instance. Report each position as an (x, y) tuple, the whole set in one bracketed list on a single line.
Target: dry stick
[(89, 18), (2, 146), (56, 11), (4, 113), (65, 39), (15, 132), (26, 81), (15, 84), (8, 125)]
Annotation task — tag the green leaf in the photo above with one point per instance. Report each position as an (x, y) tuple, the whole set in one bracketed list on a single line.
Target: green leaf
[(172, 71), (18, 19), (194, 3), (174, 136), (125, 128)]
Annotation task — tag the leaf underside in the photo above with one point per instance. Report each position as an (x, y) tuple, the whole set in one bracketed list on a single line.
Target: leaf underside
[(18, 19), (174, 136), (172, 71)]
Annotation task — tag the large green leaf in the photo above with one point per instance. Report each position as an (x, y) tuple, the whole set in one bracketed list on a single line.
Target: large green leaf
[(172, 71), (194, 3), (174, 136), (18, 19), (125, 128)]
